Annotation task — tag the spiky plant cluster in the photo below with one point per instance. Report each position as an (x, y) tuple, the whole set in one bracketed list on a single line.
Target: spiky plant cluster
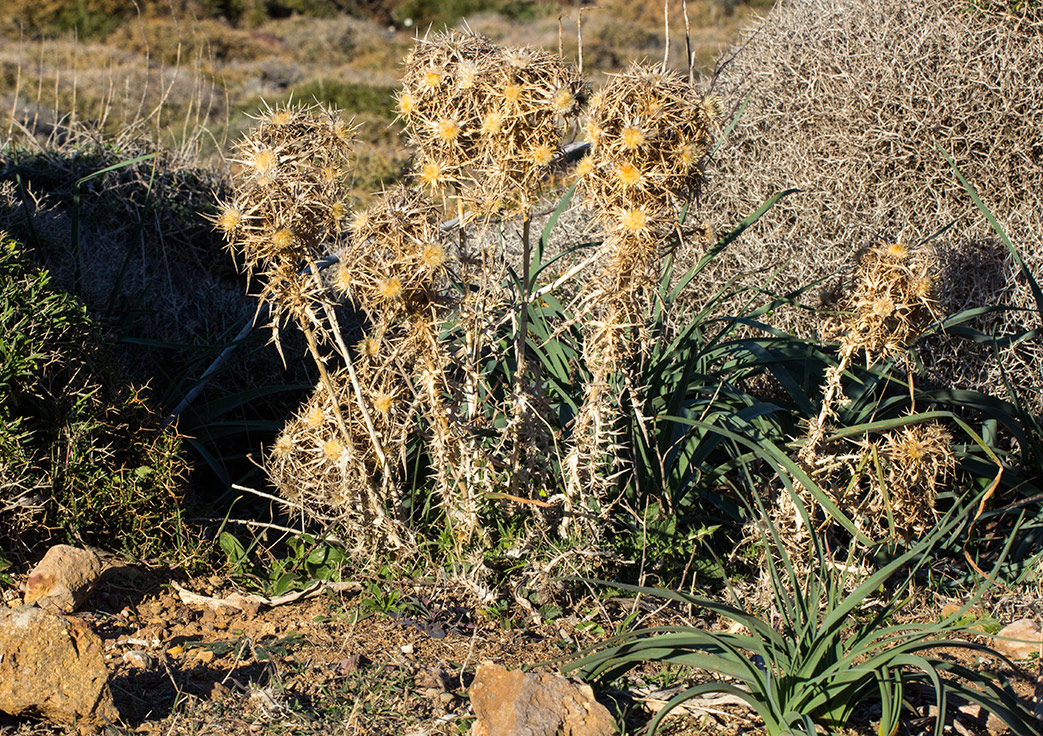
[(486, 122), (888, 304), (916, 460), (394, 263), (649, 130), (291, 199)]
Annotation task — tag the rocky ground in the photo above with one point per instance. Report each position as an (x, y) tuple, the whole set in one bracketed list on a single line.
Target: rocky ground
[(198, 656)]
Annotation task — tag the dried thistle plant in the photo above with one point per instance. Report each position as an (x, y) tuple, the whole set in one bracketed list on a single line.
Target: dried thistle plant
[(916, 460), (486, 122), (649, 130), (289, 208)]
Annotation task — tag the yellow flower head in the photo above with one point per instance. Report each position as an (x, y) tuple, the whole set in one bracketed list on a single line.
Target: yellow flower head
[(628, 175), (921, 287), (283, 238), (432, 173), (594, 131), (447, 130), (492, 122), (265, 161), (281, 117), (338, 210), (229, 219), (541, 155), (342, 279), (433, 77), (314, 418), (585, 166), (883, 307), (898, 250), (406, 103), (283, 446), (562, 101), (635, 220), (382, 402), (369, 346), (632, 138), (360, 221), (687, 155), (433, 255), (389, 289), (512, 92), (342, 131), (333, 450), (519, 58), (466, 71)]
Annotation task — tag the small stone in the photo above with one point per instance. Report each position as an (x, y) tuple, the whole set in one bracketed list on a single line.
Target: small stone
[(64, 578), (406, 649), (1029, 634), (53, 667), (513, 703), (138, 658)]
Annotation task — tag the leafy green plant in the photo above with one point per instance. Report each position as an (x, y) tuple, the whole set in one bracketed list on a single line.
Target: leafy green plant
[(833, 650)]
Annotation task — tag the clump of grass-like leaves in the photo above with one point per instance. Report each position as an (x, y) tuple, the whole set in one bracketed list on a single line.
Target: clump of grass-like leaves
[(831, 653)]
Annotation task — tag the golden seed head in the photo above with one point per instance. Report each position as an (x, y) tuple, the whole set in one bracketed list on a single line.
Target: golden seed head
[(585, 165), (594, 131), (314, 418), (382, 402), (628, 174), (562, 101), (389, 289), (883, 307), (651, 107), (635, 220), (360, 221), (432, 173), (541, 155), (632, 138), (713, 107), (370, 347), (265, 161), (447, 129), (406, 103), (342, 131), (283, 446), (492, 122), (512, 92), (466, 71), (229, 219), (338, 211), (921, 287), (281, 117), (342, 278), (433, 78), (283, 238), (333, 450), (518, 58), (897, 250), (433, 255), (913, 449), (687, 155)]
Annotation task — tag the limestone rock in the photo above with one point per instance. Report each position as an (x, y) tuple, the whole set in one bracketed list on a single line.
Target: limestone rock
[(63, 579), (53, 667), (1027, 631), (513, 703)]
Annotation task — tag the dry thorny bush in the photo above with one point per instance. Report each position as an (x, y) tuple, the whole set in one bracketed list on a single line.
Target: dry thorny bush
[(437, 300)]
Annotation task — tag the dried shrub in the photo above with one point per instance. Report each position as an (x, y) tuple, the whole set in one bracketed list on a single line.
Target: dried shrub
[(846, 98)]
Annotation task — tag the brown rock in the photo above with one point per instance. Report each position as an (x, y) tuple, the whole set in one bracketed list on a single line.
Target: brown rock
[(1031, 639), (52, 667), (512, 703), (63, 579)]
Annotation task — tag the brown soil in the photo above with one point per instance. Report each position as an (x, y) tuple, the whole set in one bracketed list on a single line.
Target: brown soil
[(336, 663)]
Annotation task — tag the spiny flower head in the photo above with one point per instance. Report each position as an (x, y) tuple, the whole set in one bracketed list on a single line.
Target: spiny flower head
[(283, 238), (382, 402), (283, 445), (342, 279), (333, 450), (315, 417), (634, 220), (389, 288), (632, 138), (628, 174), (229, 219), (432, 256)]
